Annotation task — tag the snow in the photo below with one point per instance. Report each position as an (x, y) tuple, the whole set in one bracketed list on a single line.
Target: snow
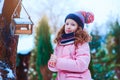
[(22, 21), (4, 67), (10, 73), (1, 5), (25, 44), (52, 40), (25, 70), (1, 77)]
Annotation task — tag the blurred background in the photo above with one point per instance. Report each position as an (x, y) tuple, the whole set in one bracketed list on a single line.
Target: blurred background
[(33, 51)]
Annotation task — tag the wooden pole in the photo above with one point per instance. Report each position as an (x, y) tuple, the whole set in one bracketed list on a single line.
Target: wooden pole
[(8, 42)]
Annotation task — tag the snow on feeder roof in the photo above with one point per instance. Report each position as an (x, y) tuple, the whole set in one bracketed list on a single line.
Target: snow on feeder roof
[(21, 25)]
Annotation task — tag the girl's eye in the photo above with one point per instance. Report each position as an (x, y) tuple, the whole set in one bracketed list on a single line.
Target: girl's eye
[(66, 23), (73, 24)]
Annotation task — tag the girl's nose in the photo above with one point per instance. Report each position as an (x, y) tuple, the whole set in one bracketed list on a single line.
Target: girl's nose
[(68, 26)]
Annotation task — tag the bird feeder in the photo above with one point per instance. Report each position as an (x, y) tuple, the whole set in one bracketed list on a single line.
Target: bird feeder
[(21, 25)]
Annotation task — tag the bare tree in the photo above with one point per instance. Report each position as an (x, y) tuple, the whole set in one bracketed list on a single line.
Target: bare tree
[(55, 10)]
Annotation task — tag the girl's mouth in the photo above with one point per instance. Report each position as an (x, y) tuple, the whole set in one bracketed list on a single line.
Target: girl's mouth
[(68, 31)]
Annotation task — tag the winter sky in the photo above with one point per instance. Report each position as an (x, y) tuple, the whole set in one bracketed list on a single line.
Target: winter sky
[(104, 10)]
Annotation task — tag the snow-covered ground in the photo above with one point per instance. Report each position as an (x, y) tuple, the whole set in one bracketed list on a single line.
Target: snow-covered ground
[(25, 44), (8, 73)]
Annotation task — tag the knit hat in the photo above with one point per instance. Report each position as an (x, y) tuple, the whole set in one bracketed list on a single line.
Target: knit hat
[(81, 17)]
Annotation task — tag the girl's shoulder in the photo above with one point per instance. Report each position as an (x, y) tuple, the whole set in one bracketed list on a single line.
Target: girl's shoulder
[(86, 44)]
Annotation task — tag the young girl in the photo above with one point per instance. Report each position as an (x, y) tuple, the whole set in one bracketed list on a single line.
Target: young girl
[(71, 56)]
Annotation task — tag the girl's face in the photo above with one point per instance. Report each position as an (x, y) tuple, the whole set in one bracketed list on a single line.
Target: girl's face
[(70, 26)]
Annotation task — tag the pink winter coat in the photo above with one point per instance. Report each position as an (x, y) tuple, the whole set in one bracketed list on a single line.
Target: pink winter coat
[(72, 64)]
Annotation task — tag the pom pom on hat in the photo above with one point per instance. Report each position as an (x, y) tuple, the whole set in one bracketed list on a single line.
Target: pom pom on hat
[(89, 16), (81, 17)]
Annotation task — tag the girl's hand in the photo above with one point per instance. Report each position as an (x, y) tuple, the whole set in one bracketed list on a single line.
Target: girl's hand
[(53, 57), (52, 61)]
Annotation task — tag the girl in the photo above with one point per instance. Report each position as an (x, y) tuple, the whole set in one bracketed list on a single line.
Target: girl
[(71, 56)]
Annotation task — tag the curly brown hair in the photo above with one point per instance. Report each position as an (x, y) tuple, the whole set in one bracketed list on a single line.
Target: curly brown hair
[(81, 36)]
